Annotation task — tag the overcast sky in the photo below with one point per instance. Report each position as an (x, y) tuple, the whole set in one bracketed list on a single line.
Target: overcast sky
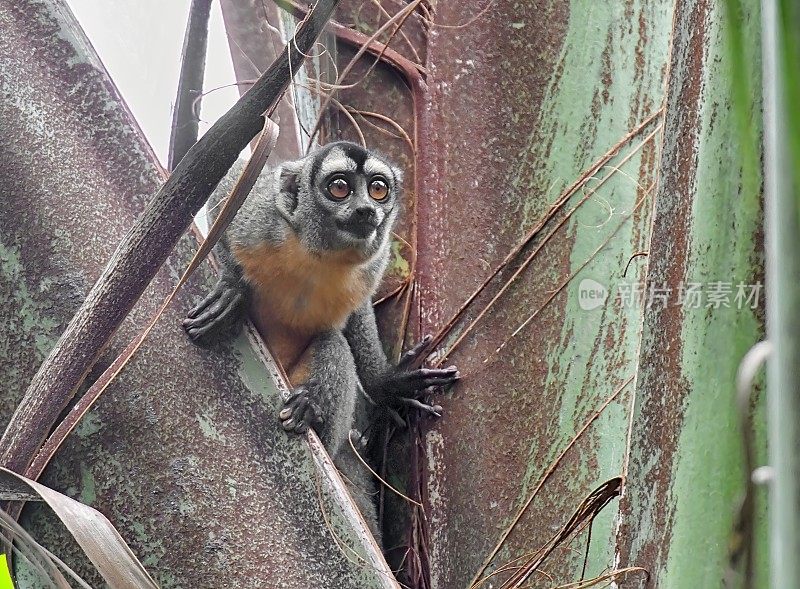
[(140, 44)]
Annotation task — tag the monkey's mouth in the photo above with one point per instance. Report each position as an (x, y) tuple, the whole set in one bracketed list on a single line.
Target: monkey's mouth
[(357, 228)]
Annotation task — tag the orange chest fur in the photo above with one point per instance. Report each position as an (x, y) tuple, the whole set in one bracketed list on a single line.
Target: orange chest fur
[(300, 291)]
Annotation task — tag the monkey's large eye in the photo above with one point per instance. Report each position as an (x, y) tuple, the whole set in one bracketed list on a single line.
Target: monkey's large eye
[(339, 188), (378, 189)]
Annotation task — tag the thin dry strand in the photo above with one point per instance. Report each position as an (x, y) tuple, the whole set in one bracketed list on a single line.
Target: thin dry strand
[(430, 22), (608, 577), (404, 284), (293, 86), (532, 233), (347, 551), (398, 19), (377, 476), (631, 259), (405, 38), (569, 279), (545, 477), (388, 120), (589, 508), (536, 251)]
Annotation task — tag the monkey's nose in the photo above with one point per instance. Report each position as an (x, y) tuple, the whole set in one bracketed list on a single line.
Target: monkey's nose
[(366, 214)]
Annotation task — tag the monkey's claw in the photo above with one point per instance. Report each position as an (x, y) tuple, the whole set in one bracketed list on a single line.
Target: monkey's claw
[(414, 381), (220, 310), (410, 357), (300, 411), (405, 381), (435, 410)]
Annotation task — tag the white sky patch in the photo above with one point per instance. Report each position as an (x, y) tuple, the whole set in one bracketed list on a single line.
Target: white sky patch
[(140, 45)]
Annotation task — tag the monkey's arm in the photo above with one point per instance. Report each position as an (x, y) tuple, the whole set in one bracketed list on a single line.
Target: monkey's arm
[(384, 382), (325, 394), (222, 312)]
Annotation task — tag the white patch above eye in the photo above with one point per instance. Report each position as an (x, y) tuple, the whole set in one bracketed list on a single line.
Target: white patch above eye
[(336, 161), (375, 166)]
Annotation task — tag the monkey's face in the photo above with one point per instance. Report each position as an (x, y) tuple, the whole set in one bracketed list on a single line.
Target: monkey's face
[(349, 202)]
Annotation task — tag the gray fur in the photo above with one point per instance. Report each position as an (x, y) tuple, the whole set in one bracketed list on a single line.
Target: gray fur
[(293, 200), (338, 386), (286, 201)]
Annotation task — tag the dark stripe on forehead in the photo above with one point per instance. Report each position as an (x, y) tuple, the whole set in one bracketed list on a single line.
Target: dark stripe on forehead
[(353, 151), (356, 153)]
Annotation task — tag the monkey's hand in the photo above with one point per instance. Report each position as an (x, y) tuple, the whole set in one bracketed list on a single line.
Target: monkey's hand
[(301, 410), (404, 385), (217, 315)]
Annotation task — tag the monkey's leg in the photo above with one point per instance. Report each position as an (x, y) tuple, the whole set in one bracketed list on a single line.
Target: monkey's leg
[(360, 482), (325, 400), (220, 314)]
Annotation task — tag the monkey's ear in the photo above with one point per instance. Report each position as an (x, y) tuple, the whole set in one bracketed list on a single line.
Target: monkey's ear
[(288, 179)]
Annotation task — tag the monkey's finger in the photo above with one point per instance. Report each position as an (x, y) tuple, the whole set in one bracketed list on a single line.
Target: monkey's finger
[(434, 382), (303, 416), (397, 419), (293, 412), (295, 416), (414, 353), (213, 315), (198, 327), (289, 425), (438, 381), (432, 409), (293, 397), (224, 304), (210, 298), (314, 415), (423, 374)]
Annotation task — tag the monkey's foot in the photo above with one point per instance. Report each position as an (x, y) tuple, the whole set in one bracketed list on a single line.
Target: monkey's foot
[(435, 410), (399, 421), (300, 411), (408, 382), (220, 311)]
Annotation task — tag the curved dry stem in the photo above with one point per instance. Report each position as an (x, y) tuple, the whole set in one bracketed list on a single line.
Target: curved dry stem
[(405, 38), (532, 233), (337, 540), (377, 476), (547, 218), (561, 286), (397, 21), (608, 577), (294, 84), (342, 108), (390, 121)]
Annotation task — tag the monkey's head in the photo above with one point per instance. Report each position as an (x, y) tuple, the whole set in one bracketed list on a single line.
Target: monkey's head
[(340, 198)]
